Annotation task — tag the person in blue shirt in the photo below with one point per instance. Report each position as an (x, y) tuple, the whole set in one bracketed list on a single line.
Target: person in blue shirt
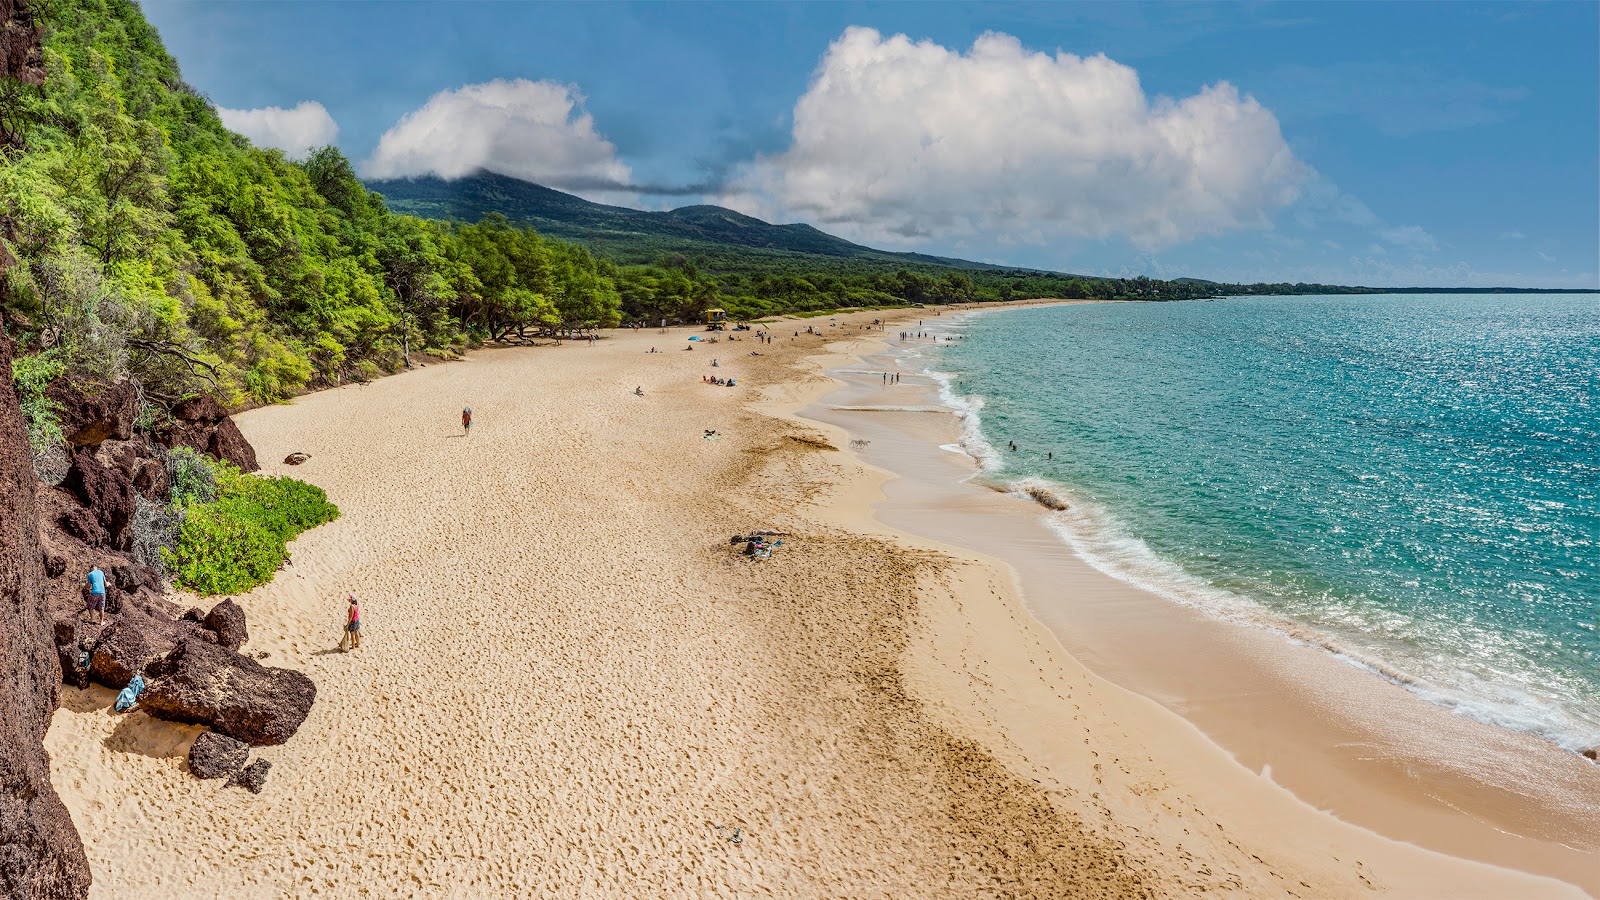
[(97, 594)]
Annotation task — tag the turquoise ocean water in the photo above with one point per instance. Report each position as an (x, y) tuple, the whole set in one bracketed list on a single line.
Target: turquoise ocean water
[(1412, 481)]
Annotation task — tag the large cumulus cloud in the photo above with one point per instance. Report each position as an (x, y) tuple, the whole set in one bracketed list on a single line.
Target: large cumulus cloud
[(296, 131), (533, 130), (901, 142)]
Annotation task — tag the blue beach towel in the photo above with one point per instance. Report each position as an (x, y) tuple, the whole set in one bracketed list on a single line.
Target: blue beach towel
[(130, 694)]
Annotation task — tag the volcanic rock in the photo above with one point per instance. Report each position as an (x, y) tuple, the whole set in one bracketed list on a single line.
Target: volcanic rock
[(227, 620), (227, 442), (150, 479), (107, 492), (1593, 753), (296, 458), (92, 412), (41, 855), (201, 423), (253, 776), (82, 524), (215, 755), (128, 646), (205, 684)]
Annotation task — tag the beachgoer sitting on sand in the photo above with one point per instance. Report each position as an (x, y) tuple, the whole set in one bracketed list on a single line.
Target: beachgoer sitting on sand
[(639, 390), (713, 364)]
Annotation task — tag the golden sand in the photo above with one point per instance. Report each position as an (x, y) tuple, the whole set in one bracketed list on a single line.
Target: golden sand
[(570, 688)]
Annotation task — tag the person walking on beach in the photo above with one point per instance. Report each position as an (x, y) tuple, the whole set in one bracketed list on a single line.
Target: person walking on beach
[(352, 628), (466, 420), (97, 594)]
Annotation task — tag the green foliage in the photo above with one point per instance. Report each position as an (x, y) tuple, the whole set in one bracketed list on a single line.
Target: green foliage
[(240, 539), (155, 243), (33, 375), (192, 476)]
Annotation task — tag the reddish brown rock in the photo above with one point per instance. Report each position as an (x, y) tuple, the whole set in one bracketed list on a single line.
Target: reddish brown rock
[(200, 423), (227, 620), (228, 443), (129, 644), (215, 755), (93, 412), (41, 855), (150, 479), (75, 637), (83, 525), (204, 684), (107, 493)]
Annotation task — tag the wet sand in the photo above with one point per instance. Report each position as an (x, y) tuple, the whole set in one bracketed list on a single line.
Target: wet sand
[(1341, 738), (571, 687)]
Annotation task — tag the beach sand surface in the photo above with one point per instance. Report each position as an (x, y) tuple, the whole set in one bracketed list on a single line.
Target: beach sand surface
[(570, 687)]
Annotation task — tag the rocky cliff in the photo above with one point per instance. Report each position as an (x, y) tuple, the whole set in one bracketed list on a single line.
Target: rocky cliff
[(41, 855)]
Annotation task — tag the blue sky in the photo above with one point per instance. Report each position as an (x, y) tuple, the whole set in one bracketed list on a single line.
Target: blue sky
[(1386, 144)]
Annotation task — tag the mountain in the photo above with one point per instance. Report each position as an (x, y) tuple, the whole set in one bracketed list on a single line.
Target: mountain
[(631, 235)]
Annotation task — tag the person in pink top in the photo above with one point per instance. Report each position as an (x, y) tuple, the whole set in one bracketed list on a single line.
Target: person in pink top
[(352, 627)]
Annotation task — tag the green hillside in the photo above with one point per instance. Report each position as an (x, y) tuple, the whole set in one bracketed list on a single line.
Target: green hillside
[(630, 235), (141, 238)]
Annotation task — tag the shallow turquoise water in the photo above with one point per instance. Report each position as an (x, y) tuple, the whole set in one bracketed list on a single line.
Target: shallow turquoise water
[(1412, 481)]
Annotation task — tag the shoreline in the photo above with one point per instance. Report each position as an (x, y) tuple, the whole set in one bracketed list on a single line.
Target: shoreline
[(570, 686), (1338, 736)]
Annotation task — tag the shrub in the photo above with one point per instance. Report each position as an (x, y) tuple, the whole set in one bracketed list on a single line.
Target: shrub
[(240, 539), (193, 477), (154, 529), (32, 375)]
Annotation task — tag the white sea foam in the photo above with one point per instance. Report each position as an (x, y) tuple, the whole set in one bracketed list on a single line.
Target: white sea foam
[(1095, 536)]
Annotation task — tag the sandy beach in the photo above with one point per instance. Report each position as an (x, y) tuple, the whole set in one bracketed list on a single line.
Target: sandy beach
[(571, 687)]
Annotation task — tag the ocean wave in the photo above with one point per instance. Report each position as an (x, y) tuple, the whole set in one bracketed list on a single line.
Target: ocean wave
[(1094, 535)]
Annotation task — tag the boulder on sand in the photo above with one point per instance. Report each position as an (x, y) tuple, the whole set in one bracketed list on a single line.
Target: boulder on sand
[(253, 776), (205, 684), (215, 755), (227, 620), (128, 645), (296, 458)]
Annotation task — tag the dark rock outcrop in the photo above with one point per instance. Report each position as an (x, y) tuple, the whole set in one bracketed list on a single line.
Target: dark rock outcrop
[(150, 479), (41, 855), (227, 620), (107, 493), (1593, 753), (129, 644), (94, 412), (204, 684), (253, 776), (296, 458), (21, 50), (201, 423), (75, 638), (215, 755)]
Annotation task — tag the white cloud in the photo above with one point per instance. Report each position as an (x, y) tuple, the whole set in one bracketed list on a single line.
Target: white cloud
[(899, 142), (1411, 237), (296, 131), (533, 130)]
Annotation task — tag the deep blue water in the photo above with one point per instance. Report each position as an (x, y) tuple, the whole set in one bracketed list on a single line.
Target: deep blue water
[(1413, 481)]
